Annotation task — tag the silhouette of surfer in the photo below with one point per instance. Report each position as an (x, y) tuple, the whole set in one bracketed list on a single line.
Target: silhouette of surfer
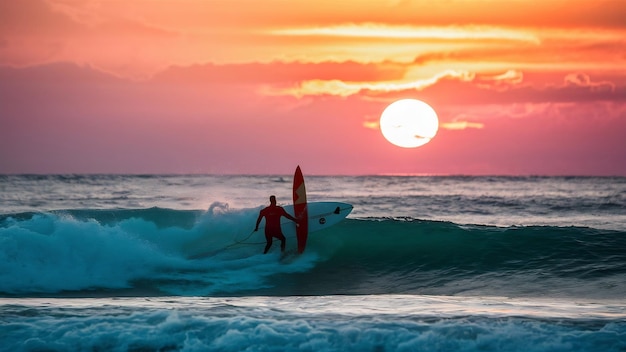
[(272, 215)]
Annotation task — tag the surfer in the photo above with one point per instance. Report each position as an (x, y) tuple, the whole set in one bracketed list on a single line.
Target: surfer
[(272, 215)]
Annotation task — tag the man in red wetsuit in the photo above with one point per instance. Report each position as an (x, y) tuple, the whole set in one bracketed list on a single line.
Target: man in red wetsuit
[(272, 215)]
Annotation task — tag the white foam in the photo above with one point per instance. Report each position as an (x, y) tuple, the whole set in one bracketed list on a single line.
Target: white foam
[(51, 253), (347, 323)]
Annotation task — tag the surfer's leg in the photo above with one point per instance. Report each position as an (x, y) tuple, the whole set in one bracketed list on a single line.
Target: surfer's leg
[(269, 240), (283, 241)]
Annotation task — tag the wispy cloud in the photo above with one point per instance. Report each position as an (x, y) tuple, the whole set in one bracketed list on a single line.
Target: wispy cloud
[(378, 30), (461, 125), (343, 88)]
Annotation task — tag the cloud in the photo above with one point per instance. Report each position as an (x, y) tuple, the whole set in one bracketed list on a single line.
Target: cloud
[(372, 125), (345, 88), (535, 88), (278, 72), (461, 125), (385, 31), (502, 81), (33, 17), (138, 39), (39, 32), (584, 81), (452, 87)]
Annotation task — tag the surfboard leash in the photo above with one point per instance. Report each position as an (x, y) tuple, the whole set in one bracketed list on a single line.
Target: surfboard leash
[(243, 241)]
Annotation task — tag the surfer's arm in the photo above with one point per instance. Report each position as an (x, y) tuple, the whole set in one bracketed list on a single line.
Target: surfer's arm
[(258, 221), (286, 214)]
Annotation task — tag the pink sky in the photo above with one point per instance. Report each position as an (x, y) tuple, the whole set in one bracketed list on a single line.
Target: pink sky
[(258, 87)]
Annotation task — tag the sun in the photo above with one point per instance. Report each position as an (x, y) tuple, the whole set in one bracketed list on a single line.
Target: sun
[(409, 123)]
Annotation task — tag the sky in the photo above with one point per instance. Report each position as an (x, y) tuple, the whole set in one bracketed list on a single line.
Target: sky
[(258, 87)]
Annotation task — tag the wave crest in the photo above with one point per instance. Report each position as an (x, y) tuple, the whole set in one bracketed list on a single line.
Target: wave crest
[(163, 252)]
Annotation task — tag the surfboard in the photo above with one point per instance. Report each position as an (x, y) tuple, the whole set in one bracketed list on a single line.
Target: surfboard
[(321, 215), (300, 210)]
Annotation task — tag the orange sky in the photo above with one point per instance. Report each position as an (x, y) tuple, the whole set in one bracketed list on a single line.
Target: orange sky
[(198, 86)]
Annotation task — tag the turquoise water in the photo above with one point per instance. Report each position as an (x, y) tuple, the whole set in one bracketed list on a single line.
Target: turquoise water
[(422, 263)]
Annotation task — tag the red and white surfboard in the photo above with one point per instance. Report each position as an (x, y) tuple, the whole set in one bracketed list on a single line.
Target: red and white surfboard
[(300, 209)]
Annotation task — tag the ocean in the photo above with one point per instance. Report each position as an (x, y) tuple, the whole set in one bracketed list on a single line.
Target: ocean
[(422, 263)]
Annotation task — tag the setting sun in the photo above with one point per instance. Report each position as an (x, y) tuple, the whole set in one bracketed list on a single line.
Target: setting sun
[(409, 123)]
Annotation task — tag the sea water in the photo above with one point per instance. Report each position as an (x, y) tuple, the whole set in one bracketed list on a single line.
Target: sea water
[(434, 263)]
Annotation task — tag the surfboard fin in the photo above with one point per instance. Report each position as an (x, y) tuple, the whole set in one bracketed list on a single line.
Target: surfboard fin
[(337, 210)]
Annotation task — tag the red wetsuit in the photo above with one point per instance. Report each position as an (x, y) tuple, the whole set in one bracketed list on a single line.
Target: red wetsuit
[(272, 215)]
